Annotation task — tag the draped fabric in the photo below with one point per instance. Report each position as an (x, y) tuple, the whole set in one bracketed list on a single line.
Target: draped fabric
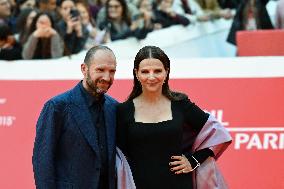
[(214, 136), (123, 171)]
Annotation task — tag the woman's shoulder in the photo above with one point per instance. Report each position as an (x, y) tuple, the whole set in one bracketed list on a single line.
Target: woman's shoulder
[(182, 104), (185, 103), (125, 106), (180, 98)]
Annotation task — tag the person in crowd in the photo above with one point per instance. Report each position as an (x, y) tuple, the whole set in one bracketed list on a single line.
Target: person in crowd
[(191, 9), (23, 24), (102, 14), (95, 6), (118, 22), (166, 138), (231, 4), (49, 6), (13, 5), (5, 12), (23, 4), (213, 9), (167, 16), (71, 27), (46, 5), (43, 41), (10, 49), (96, 36), (279, 15), (146, 16), (75, 132), (250, 15), (16, 11)]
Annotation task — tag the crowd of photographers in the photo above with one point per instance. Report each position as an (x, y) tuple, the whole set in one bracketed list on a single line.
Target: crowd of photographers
[(42, 29)]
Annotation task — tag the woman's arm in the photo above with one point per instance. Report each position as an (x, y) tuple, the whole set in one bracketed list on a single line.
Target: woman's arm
[(199, 156), (29, 47), (57, 46)]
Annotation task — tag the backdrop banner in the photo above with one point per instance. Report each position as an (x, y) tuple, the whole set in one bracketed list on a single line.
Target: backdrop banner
[(252, 109)]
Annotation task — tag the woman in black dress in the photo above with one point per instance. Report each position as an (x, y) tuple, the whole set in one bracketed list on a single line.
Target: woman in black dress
[(157, 127)]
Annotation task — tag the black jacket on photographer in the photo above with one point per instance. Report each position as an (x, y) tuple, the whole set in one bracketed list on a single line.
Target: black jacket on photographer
[(166, 20), (261, 16)]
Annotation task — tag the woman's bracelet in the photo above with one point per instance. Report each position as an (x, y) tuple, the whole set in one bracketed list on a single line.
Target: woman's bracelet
[(197, 164)]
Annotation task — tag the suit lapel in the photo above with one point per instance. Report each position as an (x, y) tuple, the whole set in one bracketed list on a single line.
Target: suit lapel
[(81, 114)]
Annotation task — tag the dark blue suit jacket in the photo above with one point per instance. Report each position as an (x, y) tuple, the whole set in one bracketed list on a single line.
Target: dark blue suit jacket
[(66, 152)]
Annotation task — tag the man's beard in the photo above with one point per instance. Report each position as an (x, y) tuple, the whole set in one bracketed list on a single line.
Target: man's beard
[(92, 85)]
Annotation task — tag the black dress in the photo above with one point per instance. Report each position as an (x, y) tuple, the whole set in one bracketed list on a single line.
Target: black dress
[(149, 147)]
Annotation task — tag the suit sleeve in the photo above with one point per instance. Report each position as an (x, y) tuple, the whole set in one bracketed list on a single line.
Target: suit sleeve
[(47, 133)]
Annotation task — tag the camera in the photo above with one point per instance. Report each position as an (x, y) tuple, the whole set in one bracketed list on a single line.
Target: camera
[(74, 13)]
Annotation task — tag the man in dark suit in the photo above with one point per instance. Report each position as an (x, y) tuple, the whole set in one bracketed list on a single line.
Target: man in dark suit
[(249, 11), (75, 135)]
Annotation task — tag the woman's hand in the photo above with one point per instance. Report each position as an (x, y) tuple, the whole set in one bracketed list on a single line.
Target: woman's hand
[(44, 32), (39, 32), (180, 164), (73, 24), (78, 27)]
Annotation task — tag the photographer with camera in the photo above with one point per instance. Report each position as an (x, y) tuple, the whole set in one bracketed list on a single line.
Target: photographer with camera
[(146, 16), (96, 36), (118, 23), (71, 28)]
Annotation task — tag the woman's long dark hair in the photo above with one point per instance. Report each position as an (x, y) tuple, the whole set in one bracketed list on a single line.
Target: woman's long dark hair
[(156, 53), (21, 23)]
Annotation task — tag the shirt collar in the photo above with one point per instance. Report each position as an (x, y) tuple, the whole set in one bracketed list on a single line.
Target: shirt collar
[(90, 99)]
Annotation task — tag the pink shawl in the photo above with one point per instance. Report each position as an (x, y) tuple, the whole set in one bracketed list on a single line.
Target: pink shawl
[(123, 171), (214, 136)]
